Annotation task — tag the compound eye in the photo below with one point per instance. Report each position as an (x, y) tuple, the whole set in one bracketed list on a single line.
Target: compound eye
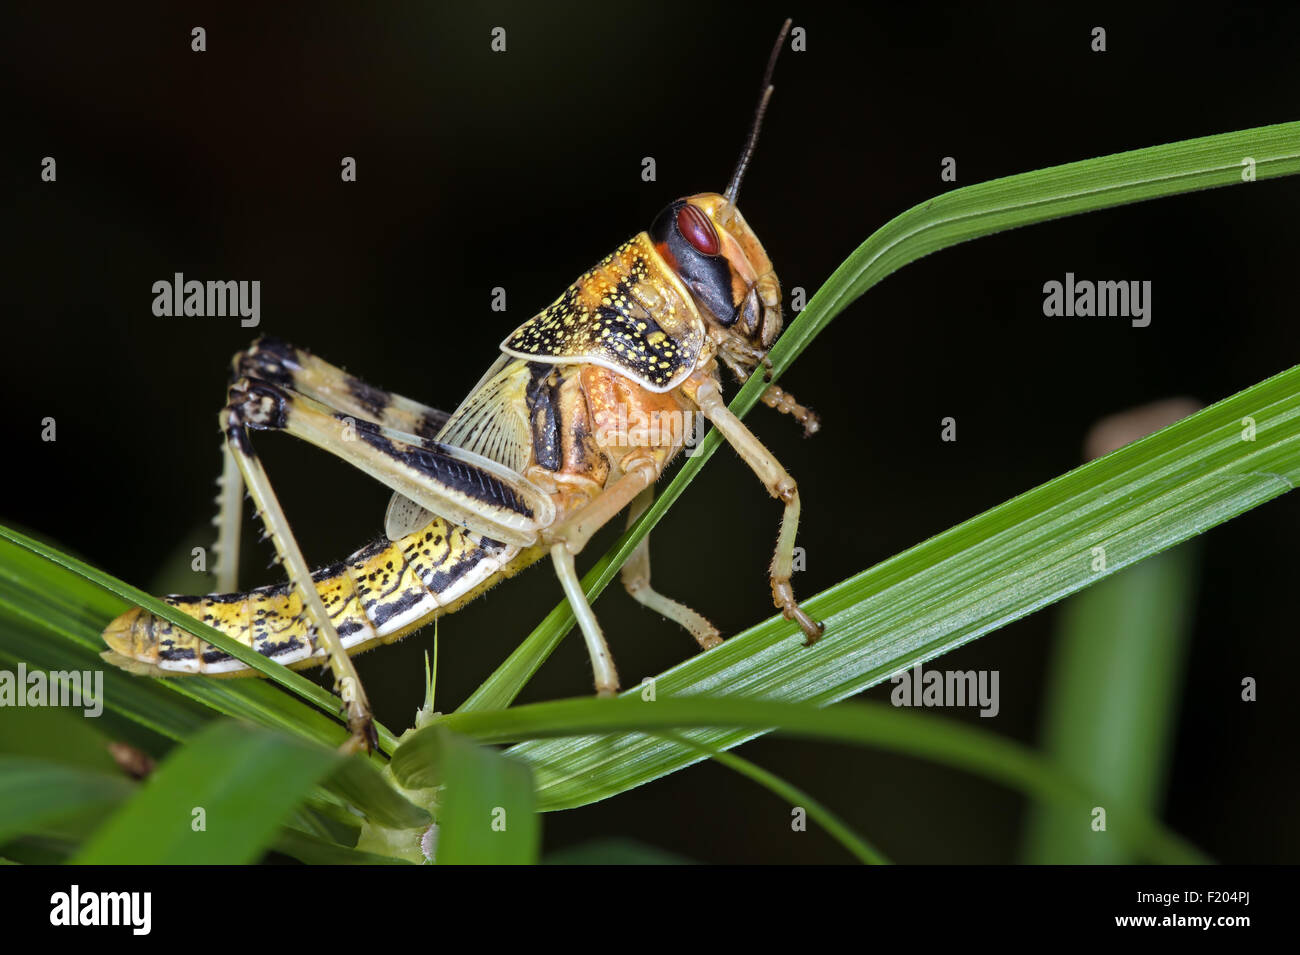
[(696, 228)]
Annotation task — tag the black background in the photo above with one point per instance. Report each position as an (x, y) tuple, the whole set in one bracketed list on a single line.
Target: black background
[(520, 170)]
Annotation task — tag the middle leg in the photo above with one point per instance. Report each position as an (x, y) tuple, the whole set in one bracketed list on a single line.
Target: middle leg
[(570, 536), (636, 581)]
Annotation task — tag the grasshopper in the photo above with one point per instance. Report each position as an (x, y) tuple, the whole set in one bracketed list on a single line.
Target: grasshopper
[(533, 462)]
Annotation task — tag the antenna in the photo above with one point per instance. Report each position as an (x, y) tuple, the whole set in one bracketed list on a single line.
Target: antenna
[(765, 94)]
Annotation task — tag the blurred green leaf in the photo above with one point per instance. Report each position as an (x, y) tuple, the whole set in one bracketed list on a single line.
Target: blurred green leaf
[(35, 793), (62, 735), (245, 781), (488, 814), (1111, 701)]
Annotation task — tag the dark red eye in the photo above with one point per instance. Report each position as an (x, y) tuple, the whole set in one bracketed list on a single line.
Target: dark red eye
[(698, 230)]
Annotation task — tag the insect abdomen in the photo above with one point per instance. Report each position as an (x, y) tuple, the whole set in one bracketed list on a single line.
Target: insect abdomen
[(378, 595)]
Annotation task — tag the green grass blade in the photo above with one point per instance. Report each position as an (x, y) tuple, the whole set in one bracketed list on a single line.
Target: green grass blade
[(1039, 196), (617, 727), (246, 781), (1002, 565), (946, 220)]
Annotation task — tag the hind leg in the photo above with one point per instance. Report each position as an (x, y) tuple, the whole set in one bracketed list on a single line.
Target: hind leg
[(271, 360), (239, 448)]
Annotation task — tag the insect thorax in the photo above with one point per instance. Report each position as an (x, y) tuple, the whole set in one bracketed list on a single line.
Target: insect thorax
[(629, 313)]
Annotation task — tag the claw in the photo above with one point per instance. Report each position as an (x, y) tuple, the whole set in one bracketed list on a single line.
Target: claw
[(361, 722), (364, 739), (813, 629), (783, 598)]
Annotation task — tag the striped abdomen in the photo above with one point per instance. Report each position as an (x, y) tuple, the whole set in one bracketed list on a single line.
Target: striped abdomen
[(378, 595)]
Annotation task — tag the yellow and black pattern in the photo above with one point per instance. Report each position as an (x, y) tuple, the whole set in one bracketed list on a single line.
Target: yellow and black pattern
[(378, 595), (626, 314), (296, 369)]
